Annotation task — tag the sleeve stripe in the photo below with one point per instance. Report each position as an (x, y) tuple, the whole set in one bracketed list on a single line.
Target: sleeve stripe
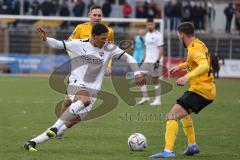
[(121, 55), (64, 45)]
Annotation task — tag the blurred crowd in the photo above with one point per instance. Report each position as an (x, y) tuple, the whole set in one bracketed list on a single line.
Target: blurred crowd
[(200, 13), (230, 11), (45, 7)]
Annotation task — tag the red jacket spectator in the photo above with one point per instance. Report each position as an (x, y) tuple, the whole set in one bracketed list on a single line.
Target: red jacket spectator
[(127, 10)]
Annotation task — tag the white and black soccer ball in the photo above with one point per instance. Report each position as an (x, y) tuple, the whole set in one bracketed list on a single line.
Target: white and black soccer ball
[(137, 142)]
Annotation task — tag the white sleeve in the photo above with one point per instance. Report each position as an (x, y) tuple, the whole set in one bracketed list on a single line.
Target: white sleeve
[(160, 39), (121, 54), (53, 43)]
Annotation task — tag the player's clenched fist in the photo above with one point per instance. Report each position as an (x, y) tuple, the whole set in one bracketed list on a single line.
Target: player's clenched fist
[(140, 80), (42, 34)]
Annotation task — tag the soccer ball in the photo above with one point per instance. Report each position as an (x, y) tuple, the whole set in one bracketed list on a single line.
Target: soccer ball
[(137, 142)]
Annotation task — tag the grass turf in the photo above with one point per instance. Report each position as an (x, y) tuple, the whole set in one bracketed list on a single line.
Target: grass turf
[(27, 109)]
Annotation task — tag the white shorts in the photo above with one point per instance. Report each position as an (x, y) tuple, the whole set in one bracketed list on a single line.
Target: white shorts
[(73, 88), (148, 68)]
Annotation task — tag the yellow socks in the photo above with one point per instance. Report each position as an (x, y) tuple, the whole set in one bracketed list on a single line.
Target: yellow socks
[(171, 134), (189, 129)]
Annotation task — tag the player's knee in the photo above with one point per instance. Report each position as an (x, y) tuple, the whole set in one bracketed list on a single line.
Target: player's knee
[(84, 97), (76, 107), (86, 101), (171, 116)]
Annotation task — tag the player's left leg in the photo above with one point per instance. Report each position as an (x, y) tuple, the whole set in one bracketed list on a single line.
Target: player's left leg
[(189, 131), (31, 144), (157, 87), (176, 113)]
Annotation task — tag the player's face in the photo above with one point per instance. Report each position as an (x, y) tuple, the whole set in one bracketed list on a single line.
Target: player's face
[(100, 40), (150, 26), (181, 38), (95, 16)]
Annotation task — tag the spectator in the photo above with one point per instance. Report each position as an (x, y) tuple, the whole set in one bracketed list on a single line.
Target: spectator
[(35, 7), (145, 8), (202, 14), (64, 11), (139, 10), (237, 17), (229, 12), (196, 16), (78, 9), (4, 8), (151, 12), (215, 65), (91, 3), (127, 10), (176, 9), (187, 13), (168, 13), (16, 7), (47, 8), (211, 15), (55, 6), (107, 8), (26, 4)]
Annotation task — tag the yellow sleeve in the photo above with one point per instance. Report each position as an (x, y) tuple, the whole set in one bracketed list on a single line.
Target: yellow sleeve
[(75, 34), (202, 68), (111, 40), (111, 36), (183, 65), (109, 63)]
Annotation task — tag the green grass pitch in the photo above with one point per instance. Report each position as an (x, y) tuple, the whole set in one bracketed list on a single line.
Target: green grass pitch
[(27, 109)]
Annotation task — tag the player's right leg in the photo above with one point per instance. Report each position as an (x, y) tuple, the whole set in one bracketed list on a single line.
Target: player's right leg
[(189, 131), (72, 115), (65, 104), (176, 113), (144, 67)]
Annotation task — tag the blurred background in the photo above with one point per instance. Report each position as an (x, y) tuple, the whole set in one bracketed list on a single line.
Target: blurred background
[(21, 52)]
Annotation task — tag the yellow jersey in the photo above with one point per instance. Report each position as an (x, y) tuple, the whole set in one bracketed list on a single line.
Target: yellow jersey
[(204, 83), (83, 31)]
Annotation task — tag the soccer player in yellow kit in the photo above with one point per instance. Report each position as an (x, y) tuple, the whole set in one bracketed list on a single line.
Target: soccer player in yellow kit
[(83, 31), (201, 92)]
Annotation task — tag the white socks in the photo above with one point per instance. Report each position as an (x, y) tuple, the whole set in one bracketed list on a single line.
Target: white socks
[(69, 114), (41, 138), (144, 91), (62, 129), (158, 92)]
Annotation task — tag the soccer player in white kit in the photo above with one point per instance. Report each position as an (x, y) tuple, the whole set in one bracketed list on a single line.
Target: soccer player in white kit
[(152, 61), (85, 80)]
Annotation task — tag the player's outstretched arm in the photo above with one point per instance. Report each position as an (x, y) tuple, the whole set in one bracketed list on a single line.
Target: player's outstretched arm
[(53, 43), (177, 68), (42, 34), (140, 80)]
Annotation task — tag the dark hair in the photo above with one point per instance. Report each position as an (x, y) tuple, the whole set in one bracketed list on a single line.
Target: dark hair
[(151, 20), (95, 7), (186, 28), (99, 28)]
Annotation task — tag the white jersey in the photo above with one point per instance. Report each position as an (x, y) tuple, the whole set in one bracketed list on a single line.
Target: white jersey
[(88, 62), (153, 41)]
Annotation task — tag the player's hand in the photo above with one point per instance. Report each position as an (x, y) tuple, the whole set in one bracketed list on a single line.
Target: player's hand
[(42, 34), (174, 69), (156, 64), (108, 71), (140, 80), (182, 81)]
